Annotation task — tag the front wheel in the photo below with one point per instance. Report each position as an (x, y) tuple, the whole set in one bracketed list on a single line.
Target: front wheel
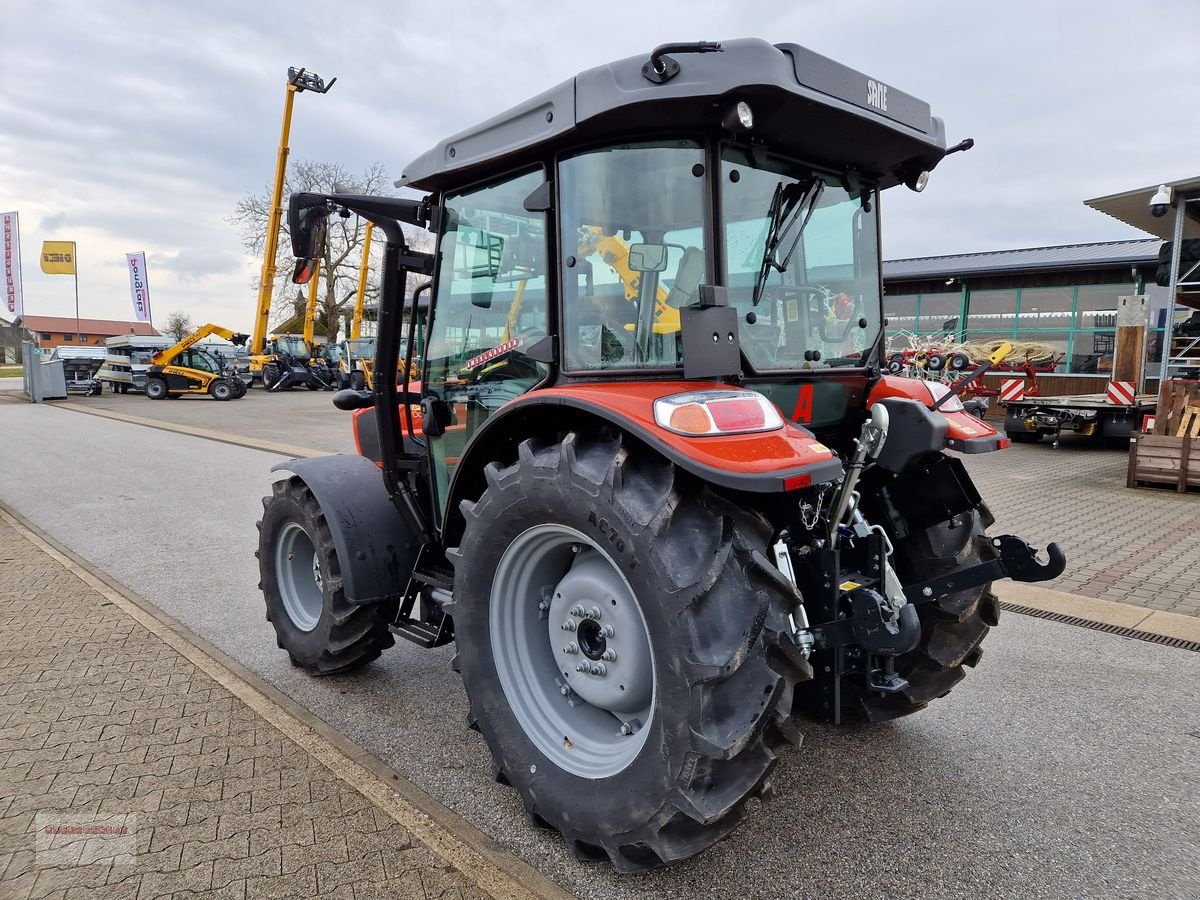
[(221, 390), (358, 380), (300, 577), (156, 388), (618, 641), (270, 375)]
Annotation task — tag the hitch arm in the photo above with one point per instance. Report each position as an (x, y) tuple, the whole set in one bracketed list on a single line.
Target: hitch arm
[(1017, 560)]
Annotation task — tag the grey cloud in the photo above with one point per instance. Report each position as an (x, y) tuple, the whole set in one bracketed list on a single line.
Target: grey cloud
[(198, 264)]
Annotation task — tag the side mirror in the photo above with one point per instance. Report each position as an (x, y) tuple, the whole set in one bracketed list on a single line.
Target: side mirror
[(307, 218), (648, 257)]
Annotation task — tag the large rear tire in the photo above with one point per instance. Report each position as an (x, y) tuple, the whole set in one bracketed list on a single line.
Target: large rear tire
[(300, 577), (609, 536)]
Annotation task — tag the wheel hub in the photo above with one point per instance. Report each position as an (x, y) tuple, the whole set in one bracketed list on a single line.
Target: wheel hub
[(598, 637), (571, 650), (298, 573)]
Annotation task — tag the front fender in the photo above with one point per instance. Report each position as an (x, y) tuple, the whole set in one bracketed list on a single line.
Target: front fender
[(964, 433), (375, 549)]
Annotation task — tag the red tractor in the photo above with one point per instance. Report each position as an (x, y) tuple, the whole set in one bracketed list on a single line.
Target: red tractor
[(662, 498)]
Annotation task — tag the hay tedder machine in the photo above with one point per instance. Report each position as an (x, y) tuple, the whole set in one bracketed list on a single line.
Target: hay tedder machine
[(662, 498)]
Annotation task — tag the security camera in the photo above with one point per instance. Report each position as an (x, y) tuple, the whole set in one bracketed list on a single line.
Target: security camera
[(1160, 202)]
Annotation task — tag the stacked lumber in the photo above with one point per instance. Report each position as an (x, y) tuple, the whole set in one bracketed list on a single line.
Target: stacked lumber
[(1174, 398)]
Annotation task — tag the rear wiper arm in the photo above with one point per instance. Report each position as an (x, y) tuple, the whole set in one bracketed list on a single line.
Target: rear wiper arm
[(781, 223)]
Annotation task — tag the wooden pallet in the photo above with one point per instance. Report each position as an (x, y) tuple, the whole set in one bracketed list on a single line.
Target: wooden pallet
[(1189, 423), (1164, 459)]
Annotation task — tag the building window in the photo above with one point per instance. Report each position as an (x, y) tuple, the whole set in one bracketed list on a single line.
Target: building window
[(1077, 322), (992, 311), (67, 337), (45, 336)]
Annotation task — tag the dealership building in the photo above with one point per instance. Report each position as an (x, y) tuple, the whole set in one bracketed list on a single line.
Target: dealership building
[(1062, 297)]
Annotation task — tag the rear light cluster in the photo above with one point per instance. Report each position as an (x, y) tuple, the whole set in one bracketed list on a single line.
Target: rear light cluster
[(717, 412)]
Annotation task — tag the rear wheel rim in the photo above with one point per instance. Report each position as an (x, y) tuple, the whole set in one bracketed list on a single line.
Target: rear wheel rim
[(298, 573), (572, 651)]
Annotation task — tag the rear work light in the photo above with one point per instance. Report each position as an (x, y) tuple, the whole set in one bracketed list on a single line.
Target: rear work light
[(717, 412)]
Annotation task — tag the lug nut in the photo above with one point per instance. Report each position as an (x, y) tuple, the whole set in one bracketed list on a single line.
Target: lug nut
[(568, 625), (608, 655), (576, 610), (594, 613), (625, 729), (571, 648), (599, 669), (607, 631), (581, 667)]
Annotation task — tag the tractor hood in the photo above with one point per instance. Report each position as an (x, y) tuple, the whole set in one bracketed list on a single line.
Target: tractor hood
[(804, 105)]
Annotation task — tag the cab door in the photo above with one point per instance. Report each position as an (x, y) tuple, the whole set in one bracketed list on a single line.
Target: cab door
[(490, 306)]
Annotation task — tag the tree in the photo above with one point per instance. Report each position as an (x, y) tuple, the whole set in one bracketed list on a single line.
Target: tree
[(338, 282), (179, 325)]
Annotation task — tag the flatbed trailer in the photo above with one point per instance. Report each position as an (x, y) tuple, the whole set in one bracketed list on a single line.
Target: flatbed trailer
[(1028, 419)]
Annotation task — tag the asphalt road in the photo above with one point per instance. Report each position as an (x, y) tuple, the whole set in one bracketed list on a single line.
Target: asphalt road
[(1068, 764)]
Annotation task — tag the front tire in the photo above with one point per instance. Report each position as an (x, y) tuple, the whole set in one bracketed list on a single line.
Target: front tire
[(300, 577), (358, 380), (156, 388), (221, 390), (567, 527), (271, 373)]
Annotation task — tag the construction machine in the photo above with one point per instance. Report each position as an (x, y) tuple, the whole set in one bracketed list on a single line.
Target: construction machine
[(663, 498), (298, 81), (187, 369)]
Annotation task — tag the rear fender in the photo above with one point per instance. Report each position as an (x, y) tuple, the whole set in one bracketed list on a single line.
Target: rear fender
[(787, 459), (375, 549)]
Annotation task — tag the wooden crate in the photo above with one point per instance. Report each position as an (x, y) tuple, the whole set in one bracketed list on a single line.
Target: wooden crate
[(1174, 397), (1164, 459)]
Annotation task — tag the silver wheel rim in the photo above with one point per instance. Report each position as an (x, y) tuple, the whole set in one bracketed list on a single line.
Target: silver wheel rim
[(298, 573), (572, 651)]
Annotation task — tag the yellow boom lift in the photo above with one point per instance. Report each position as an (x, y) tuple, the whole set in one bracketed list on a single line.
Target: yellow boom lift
[(188, 369), (299, 80)]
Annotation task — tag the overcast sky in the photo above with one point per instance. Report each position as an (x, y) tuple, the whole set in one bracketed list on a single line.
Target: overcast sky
[(137, 126)]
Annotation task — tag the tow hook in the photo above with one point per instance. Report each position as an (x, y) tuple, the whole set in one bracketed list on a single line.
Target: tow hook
[(1016, 560)]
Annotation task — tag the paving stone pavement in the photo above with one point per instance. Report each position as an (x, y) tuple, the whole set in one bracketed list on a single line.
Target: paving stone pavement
[(99, 718), (1136, 546)]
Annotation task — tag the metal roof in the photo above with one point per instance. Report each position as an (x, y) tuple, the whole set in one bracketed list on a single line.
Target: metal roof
[(816, 108), (66, 325), (1067, 256), (1133, 208)]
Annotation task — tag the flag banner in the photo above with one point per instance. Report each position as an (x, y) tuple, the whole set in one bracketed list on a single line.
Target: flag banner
[(139, 286), (12, 265), (58, 257)]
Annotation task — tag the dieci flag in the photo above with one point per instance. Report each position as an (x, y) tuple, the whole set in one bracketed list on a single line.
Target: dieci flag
[(139, 287), (58, 257), (12, 265)]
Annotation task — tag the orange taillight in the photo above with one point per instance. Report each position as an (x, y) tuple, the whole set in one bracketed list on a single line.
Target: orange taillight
[(690, 419)]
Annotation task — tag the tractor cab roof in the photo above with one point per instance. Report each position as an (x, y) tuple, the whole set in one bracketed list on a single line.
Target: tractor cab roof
[(803, 104)]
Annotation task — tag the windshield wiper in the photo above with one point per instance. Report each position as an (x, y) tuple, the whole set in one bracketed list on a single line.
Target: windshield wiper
[(789, 205)]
